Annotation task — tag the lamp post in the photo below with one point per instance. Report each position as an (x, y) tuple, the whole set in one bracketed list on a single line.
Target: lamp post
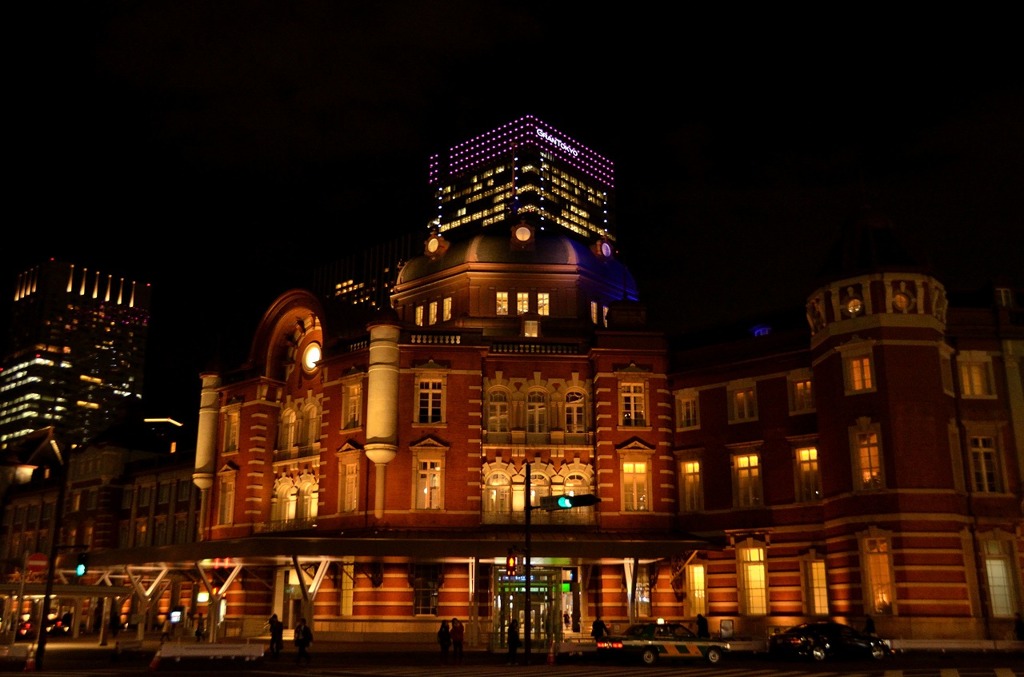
[(60, 470)]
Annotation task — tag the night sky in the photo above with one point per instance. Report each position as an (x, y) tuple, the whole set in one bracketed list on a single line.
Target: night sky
[(220, 150)]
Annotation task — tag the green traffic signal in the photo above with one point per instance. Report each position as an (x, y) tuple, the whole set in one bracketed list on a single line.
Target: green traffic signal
[(82, 565), (578, 501)]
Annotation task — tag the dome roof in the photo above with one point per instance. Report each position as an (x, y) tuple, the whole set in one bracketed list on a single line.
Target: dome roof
[(497, 248)]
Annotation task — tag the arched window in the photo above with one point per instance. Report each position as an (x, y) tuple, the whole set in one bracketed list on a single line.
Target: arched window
[(308, 501), (309, 432), (536, 412), (286, 435), (575, 413), (540, 486), (497, 411), (498, 494)]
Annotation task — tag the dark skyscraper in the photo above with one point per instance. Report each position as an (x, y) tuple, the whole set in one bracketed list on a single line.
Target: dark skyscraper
[(76, 352)]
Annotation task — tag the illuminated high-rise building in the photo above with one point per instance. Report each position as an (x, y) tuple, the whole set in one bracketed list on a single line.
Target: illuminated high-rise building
[(525, 170), (76, 352)]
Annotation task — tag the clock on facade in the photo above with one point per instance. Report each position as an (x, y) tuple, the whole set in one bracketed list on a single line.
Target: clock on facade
[(311, 356), (523, 233)]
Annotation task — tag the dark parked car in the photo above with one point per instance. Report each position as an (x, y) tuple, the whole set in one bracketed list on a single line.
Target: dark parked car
[(654, 641), (827, 639)]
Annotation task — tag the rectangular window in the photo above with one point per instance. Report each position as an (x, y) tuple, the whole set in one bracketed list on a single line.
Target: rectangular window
[(999, 576), (446, 308), (419, 316), (976, 379), (522, 303), (348, 577), (543, 303), (878, 565), (808, 481), (425, 586), (859, 374), (531, 328), (815, 587), (753, 581), (984, 464), (428, 486), (163, 493), (696, 589), (231, 431), (869, 464), (687, 411), (631, 404), (593, 312), (693, 496), (432, 314), (501, 307), (744, 404), (352, 405), (226, 505), (802, 396), (747, 480), (349, 487), (634, 484), (429, 401), (126, 498)]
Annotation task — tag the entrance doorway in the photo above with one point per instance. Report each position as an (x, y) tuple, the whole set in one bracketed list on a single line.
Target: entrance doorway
[(545, 610)]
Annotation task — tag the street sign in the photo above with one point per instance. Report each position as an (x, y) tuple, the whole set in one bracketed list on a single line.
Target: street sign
[(37, 562)]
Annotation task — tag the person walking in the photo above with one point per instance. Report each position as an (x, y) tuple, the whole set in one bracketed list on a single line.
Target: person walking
[(276, 635), (869, 625), (566, 620), (458, 634), (513, 641), (200, 628), (303, 638), (598, 629), (702, 627), (444, 640)]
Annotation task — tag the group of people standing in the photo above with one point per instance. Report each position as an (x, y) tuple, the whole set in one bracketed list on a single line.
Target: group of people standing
[(303, 638), (450, 638)]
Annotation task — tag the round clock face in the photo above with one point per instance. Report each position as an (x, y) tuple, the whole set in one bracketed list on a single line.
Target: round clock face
[(854, 306), (311, 356), (523, 233), (432, 245), (606, 249), (901, 301)]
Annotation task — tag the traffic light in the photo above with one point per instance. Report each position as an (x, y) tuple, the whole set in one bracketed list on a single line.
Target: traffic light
[(567, 501), (510, 564), (82, 564)]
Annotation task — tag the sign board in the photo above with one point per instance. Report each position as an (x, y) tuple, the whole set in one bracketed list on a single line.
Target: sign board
[(37, 562)]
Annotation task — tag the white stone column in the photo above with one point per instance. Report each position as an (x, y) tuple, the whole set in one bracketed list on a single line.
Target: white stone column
[(382, 405)]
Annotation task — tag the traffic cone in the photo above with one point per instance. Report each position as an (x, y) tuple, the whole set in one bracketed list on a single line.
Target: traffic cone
[(551, 653), (155, 663), (30, 662)]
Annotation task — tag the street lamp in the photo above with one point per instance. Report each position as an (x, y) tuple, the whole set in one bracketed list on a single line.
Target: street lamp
[(45, 452)]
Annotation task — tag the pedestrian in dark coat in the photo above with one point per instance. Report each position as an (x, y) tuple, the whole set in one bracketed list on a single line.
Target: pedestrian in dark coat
[(513, 641), (444, 640), (458, 634), (702, 627), (303, 638), (276, 635), (598, 629)]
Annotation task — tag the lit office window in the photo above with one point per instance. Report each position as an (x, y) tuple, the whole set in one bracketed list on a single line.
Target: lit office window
[(696, 589), (349, 486), (446, 308), (687, 410), (858, 374), (976, 378), (878, 568), (536, 412), (693, 495), (634, 486), (753, 580), (746, 480), (428, 486), (808, 481), (432, 313), (226, 499), (497, 412), (999, 576), (419, 316), (815, 587), (868, 460), (352, 405), (543, 303), (743, 404), (502, 303), (522, 303)]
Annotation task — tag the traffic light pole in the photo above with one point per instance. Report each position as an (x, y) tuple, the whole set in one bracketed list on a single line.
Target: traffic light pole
[(51, 571), (527, 570)]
